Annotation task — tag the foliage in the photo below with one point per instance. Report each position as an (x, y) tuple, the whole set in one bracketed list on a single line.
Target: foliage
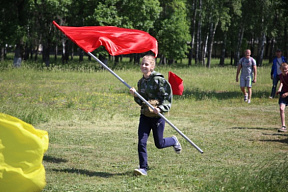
[(173, 30), (173, 23), (124, 13), (13, 18), (141, 14), (106, 14)]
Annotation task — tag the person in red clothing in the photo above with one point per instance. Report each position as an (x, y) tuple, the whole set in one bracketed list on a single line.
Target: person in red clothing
[(283, 91)]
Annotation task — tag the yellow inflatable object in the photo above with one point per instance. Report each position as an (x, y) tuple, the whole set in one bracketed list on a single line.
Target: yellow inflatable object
[(21, 153)]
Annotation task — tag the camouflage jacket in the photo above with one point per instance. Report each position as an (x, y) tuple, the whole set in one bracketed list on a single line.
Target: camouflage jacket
[(155, 87)]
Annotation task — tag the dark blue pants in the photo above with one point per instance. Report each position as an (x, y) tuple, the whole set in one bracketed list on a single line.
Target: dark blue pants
[(275, 82), (145, 125)]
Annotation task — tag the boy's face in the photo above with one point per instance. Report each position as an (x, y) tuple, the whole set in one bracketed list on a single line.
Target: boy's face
[(146, 67), (285, 69)]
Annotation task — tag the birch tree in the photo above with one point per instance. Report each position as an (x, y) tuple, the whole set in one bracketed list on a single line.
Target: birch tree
[(198, 33), (231, 10), (172, 31), (192, 18)]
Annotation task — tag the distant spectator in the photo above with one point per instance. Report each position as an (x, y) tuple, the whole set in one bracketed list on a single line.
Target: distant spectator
[(276, 71), (18, 56)]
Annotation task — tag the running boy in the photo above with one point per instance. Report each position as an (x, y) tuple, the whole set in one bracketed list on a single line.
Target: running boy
[(283, 90), (247, 65), (157, 91)]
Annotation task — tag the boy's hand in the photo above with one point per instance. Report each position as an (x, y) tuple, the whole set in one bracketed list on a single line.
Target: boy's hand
[(284, 95), (156, 110), (132, 91)]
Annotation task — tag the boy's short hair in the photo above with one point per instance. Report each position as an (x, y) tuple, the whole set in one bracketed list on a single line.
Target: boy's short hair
[(150, 58)]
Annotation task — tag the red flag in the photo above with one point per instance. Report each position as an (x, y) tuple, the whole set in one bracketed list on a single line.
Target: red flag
[(176, 83), (117, 41)]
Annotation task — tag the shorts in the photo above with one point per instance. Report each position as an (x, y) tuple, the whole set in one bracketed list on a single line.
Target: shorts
[(246, 81), (283, 100)]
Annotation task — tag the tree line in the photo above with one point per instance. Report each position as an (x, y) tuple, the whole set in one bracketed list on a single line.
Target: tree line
[(183, 28)]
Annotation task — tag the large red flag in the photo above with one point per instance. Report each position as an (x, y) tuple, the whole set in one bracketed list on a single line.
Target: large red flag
[(176, 83), (117, 41)]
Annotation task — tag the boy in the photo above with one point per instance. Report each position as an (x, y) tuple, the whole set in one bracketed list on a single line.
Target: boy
[(157, 91), (283, 90)]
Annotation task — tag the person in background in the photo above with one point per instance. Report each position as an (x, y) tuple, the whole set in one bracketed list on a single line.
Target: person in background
[(157, 91), (283, 91), (276, 71), (18, 56), (247, 65)]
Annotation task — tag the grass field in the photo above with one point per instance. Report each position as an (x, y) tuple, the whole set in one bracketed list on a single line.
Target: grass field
[(92, 123)]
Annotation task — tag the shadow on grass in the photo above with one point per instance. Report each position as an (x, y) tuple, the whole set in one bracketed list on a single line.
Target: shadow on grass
[(256, 128), (220, 95), (276, 140), (90, 173), (271, 140), (271, 134), (50, 159), (277, 134)]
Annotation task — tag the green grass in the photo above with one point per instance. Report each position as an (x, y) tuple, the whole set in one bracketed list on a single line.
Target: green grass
[(92, 123)]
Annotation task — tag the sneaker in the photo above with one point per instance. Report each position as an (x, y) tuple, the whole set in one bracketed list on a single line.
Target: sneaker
[(140, 172), (282, 129), (177, 146), (249, 101), (245, 97), (270, 97)]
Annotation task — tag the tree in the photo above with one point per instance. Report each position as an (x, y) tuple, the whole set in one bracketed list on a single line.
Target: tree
[(13, 20), (199, 33), (79, 13), (219, 13), (136, 14), (44, 13), (191, 9), (173, 31), (139, 14), (259, 21), (277, 19), (231, 10)]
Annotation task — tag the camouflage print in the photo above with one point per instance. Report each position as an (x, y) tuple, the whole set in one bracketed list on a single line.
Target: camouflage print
[(155, 88)]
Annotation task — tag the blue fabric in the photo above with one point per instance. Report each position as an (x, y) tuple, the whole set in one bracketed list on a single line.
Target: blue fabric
[(274, 66), (145, 125)]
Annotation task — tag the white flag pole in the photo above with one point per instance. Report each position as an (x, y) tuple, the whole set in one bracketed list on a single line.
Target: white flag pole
[(138, 95)]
